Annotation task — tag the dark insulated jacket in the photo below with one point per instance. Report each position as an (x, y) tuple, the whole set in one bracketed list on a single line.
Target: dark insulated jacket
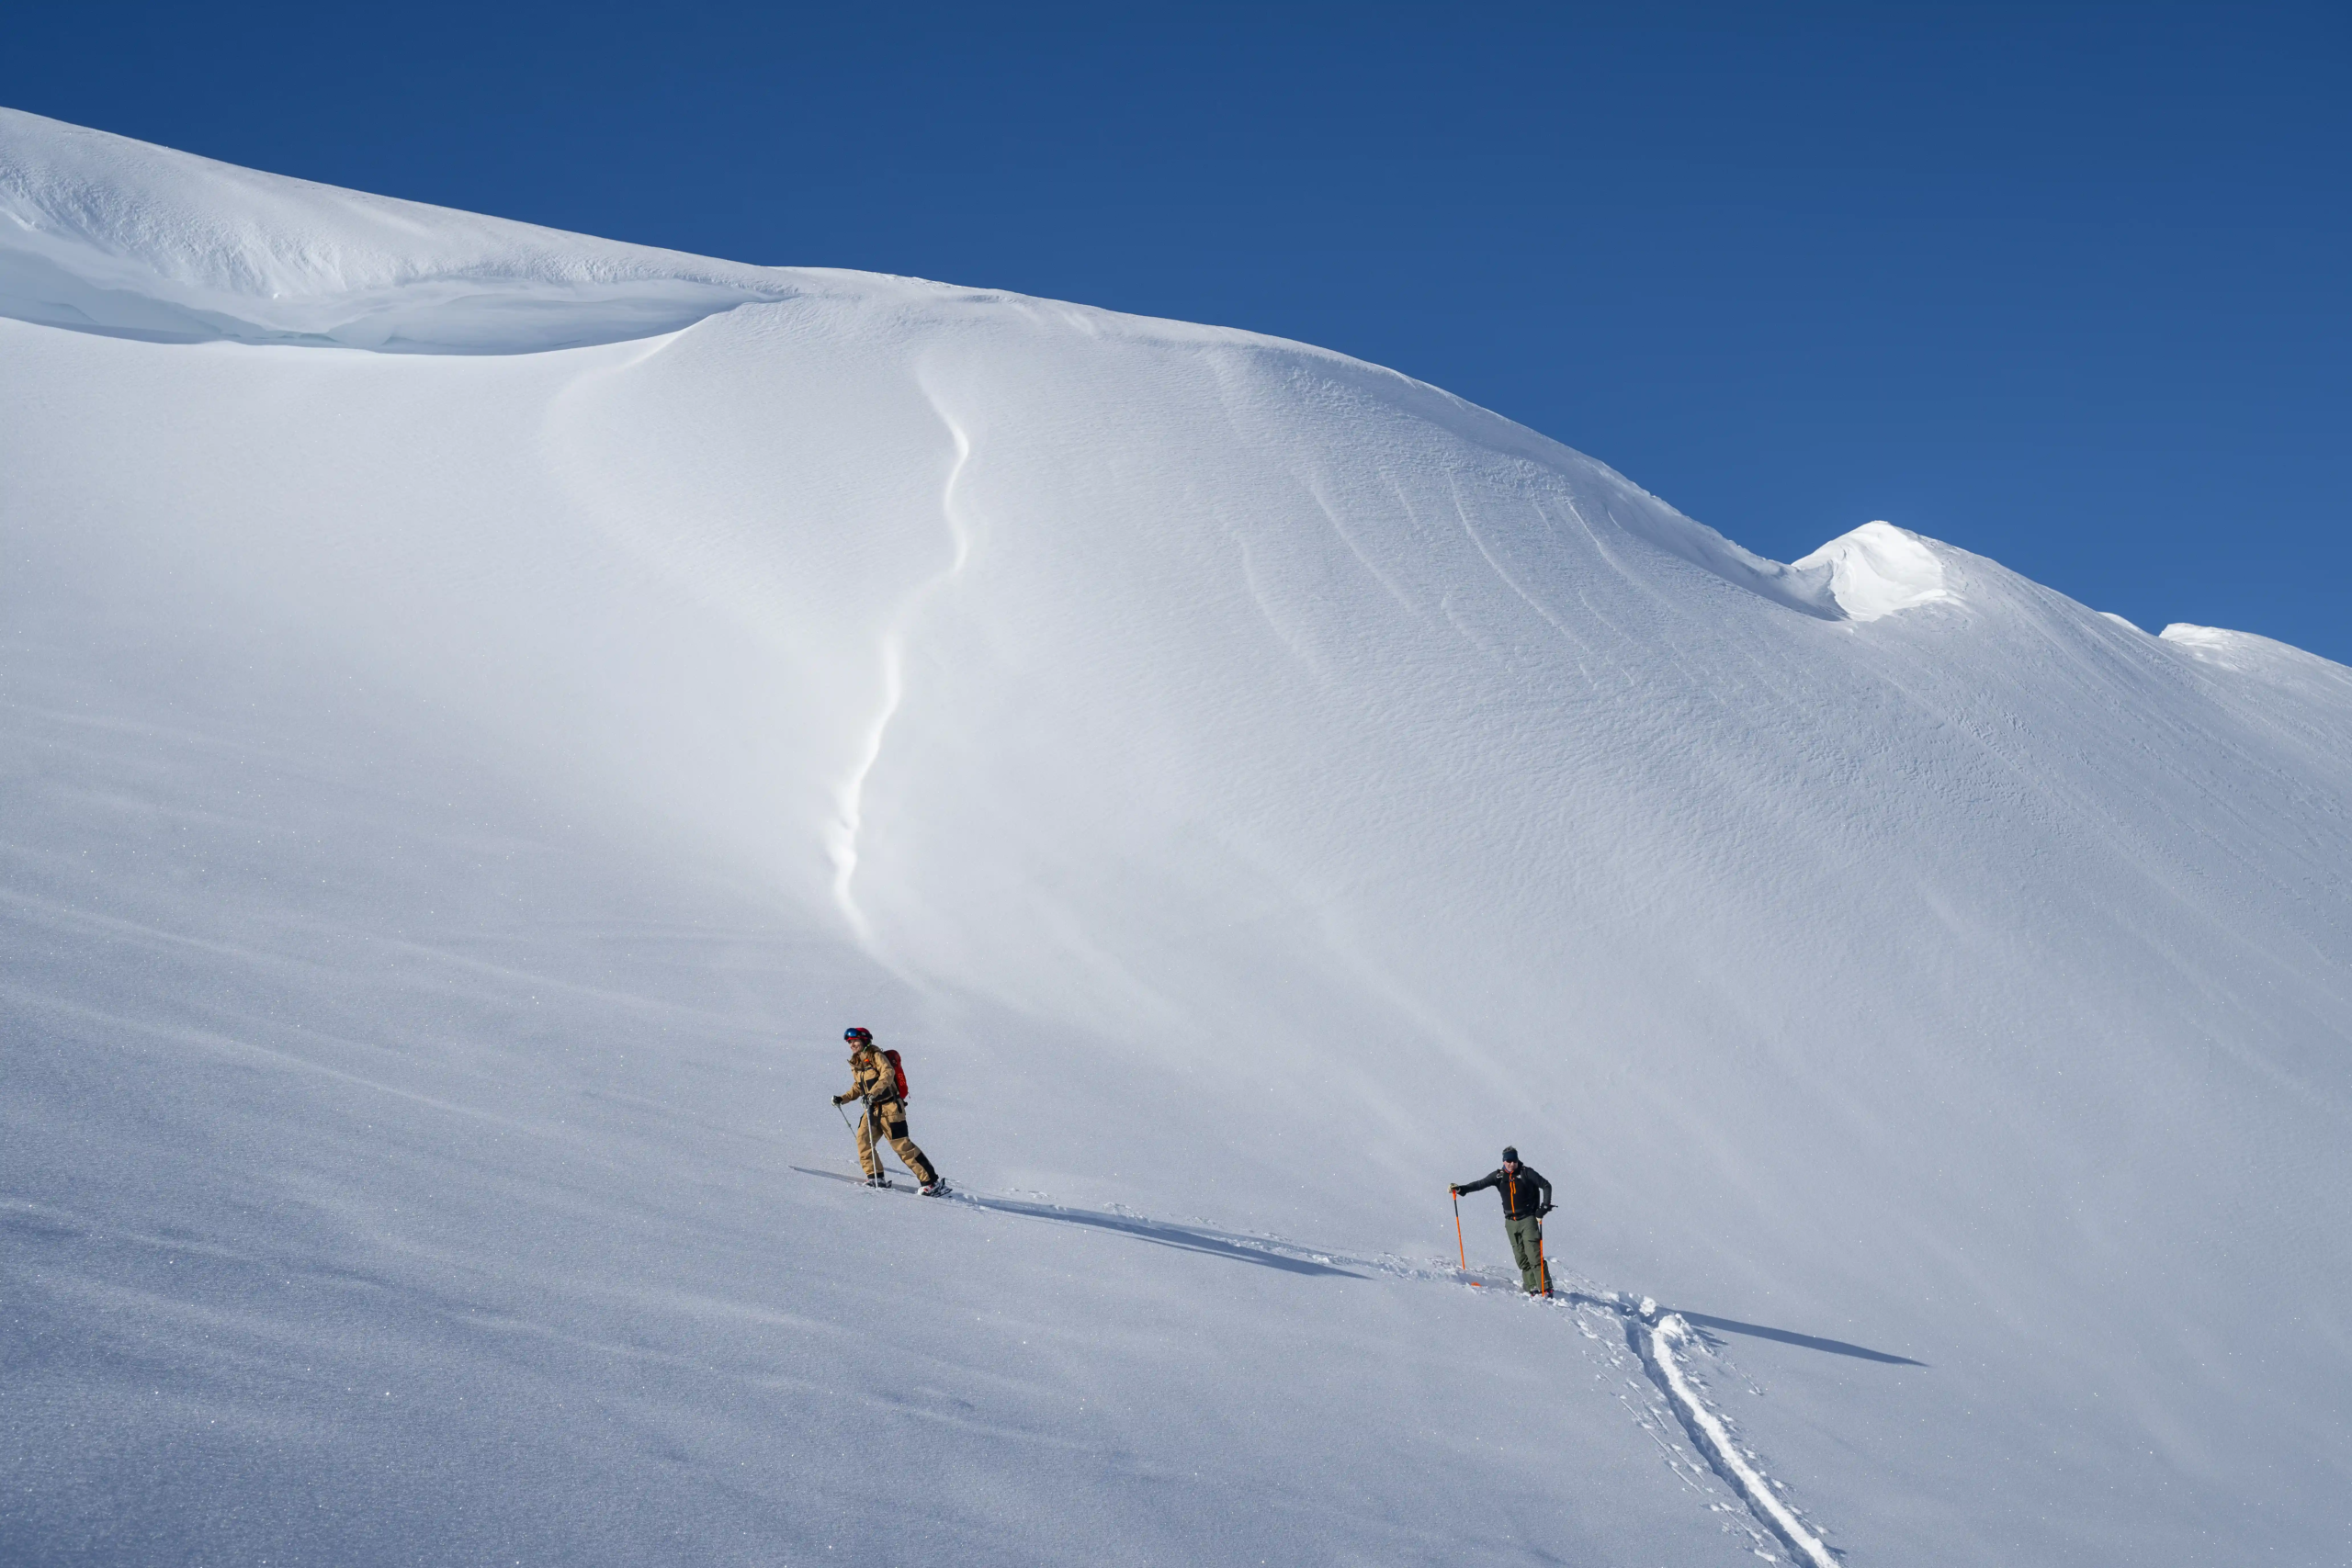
[(1525, 1195)]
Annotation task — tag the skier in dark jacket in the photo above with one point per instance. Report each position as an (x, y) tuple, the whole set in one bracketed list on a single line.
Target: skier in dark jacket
[(1527, 1197)]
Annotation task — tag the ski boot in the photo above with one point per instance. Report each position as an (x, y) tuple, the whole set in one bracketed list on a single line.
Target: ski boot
[(936, 1188), (877, 1181)]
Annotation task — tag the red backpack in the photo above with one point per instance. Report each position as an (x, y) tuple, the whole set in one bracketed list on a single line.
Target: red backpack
[(899, 1068)]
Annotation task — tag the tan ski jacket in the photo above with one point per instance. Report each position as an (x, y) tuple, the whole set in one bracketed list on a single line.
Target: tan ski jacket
[(871, 1080)]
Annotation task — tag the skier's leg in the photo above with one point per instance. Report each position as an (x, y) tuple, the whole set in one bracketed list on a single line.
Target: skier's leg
[(919, 1167), (922, 1169), (1523, 1253)]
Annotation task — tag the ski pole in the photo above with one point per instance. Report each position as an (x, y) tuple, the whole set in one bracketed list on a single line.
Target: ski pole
[(1461, 1250), (1542, 1264), (853, 1131)]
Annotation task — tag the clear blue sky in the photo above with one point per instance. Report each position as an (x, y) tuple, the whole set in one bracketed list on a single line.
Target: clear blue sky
[(2067, 286)]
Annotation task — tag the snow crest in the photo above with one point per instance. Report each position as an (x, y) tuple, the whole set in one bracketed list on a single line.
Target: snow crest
[(113, 236), (1879, 569)]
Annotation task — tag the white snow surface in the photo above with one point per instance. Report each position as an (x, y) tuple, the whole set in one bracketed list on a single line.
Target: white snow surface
[(452, 801)]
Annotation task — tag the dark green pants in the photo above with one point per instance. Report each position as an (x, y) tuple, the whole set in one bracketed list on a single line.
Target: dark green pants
[(1527, 1251)]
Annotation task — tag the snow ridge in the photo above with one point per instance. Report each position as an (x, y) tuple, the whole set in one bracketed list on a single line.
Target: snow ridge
[(104, 234)]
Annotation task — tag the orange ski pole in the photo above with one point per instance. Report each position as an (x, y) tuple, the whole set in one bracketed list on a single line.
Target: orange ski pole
[(1461, 1250)]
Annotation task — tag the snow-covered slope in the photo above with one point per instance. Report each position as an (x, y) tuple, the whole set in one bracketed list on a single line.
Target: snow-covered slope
[(453, 801)]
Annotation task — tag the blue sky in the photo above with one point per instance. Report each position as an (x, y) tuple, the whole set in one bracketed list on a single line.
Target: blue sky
[(2066, 285)]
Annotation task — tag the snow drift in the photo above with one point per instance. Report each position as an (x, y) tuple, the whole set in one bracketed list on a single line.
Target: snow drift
[(106, 235), (455, 799)]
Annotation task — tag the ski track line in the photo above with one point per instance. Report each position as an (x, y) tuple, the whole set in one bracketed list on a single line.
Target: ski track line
[(1712, 1437), (1655, 1335)]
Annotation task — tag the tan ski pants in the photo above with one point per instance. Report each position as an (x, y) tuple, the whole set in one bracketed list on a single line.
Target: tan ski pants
[(888, 1120)]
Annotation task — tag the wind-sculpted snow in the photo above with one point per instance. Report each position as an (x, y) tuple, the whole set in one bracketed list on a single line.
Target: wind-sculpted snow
[(108, 235), (451, 803), (1877, 570)]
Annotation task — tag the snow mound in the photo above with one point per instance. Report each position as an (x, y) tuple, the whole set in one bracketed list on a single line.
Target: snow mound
[(2318, 687), (114, 236), (2242, 651), (1879, 569)]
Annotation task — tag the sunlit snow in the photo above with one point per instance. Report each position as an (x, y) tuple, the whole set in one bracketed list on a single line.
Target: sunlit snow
[(454, 799)]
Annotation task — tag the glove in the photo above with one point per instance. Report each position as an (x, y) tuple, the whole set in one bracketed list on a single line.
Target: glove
[(1544, 1210), (841, 1099)]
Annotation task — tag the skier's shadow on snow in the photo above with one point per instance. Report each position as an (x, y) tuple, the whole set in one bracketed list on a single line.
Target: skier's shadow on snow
[(1152, 1231), (1176, 1237), (1702, 1322)]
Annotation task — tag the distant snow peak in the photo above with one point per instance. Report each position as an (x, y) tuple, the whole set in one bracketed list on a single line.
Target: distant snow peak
[(1879, 569)]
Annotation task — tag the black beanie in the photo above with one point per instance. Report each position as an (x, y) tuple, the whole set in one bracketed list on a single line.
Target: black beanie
[(1510, 1157)]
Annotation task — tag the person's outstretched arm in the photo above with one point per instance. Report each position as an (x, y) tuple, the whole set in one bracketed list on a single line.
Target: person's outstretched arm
[(1489, 1179)]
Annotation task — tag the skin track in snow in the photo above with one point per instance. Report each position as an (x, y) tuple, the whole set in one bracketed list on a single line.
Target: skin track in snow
[(1660, 1346)]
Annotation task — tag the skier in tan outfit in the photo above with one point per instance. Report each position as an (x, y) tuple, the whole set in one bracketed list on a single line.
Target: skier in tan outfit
[(876, 1081)]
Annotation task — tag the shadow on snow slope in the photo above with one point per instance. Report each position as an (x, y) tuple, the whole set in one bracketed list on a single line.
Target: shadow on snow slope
[(1701, 1320), (1152, 1231)]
